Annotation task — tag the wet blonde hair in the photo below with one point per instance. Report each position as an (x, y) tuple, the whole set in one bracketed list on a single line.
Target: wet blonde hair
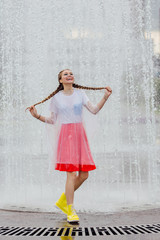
[(60, 87)]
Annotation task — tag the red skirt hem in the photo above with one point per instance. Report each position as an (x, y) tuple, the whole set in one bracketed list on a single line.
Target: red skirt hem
[(74, 168)]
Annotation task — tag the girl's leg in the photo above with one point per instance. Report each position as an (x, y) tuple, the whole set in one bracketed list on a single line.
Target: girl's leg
[(73, 183), (69, 188), (82, 176)]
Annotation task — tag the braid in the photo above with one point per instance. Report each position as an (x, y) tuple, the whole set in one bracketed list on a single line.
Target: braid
[(87, 88), (60, 87)]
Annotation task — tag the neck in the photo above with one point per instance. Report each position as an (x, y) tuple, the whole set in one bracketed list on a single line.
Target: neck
[(68, 87)]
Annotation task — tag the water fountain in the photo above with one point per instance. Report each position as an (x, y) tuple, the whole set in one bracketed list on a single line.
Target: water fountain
[(104, 43)]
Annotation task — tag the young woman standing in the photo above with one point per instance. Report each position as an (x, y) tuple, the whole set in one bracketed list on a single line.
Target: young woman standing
[(73, 151)]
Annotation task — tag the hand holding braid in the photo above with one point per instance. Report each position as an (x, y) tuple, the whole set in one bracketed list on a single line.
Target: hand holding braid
[(108, 92), (33, 111)]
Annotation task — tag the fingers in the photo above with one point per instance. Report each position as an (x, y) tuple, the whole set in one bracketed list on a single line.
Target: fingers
[(30, 108), (108, 89)]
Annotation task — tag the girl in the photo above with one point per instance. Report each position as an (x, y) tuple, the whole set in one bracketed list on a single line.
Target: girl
[(73, 151)]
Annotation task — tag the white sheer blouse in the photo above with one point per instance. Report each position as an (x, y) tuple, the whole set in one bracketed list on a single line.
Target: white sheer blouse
[(68, 108)]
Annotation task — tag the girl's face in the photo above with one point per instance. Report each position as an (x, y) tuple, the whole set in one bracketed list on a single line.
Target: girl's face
[(67, 77)]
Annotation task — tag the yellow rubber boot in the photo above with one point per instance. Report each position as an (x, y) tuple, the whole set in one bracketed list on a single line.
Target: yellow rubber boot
[(72, 216), (62, 203)]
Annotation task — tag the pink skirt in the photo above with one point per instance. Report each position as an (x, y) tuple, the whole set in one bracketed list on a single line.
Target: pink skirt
[(73, 151)]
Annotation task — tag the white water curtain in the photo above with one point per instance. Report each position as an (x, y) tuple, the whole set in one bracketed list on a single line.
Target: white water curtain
[(104, 43)]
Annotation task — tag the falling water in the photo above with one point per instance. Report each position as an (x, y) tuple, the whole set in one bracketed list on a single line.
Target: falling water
[(105, 43)]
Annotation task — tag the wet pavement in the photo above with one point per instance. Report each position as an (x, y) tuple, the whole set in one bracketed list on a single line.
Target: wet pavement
[(138, 225)]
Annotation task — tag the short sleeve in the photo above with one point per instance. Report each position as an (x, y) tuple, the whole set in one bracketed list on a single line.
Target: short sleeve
[(85, 98), (52, 105)]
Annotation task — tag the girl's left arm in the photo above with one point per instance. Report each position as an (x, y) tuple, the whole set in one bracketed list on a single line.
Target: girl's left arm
[(96, 108)]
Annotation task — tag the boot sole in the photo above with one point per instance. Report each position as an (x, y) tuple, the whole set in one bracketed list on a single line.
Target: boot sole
[(73, 221)]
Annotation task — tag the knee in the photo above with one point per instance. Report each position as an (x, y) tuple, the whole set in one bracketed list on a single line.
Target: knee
[(84, 175)]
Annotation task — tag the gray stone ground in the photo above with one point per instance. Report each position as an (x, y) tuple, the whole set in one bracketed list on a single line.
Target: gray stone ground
[(128, 218)]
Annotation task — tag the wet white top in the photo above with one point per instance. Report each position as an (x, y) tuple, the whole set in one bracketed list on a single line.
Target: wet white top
[(68, 108)]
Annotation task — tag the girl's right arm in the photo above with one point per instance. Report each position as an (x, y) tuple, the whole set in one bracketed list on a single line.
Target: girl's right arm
[(34, 113)]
